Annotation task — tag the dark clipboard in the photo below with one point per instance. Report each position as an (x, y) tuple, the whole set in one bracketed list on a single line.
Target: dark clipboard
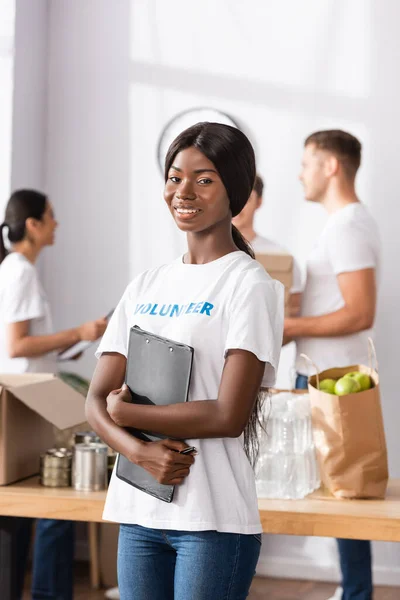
[(158, 372)]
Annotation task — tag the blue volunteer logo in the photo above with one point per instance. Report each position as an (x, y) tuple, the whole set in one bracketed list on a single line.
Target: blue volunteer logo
[(174, 310)]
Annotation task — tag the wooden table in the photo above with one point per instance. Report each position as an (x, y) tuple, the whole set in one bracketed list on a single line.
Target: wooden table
[(29, 499), (324, 516), (317, 515)]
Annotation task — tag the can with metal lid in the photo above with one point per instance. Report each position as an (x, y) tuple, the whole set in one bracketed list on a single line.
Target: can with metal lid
[(86, 437), (55, 467), (89, 467)]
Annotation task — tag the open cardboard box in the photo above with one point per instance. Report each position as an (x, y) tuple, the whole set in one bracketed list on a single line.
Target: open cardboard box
[(31, 404), (280, 267)]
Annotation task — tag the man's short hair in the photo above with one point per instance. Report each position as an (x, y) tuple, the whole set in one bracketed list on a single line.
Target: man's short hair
[(258, 186), (343, 145)]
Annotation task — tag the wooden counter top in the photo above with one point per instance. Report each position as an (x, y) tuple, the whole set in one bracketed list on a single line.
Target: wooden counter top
[(317, 515)]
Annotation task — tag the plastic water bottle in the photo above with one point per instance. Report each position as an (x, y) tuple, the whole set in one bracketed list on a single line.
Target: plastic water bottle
[(287, 466)]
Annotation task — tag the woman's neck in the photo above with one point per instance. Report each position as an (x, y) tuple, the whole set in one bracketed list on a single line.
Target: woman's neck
[(206, 246), (28, 250)]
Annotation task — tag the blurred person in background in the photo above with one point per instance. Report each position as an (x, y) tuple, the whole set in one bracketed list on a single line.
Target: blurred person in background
[(339, 299), (29, 345), (262, 245)]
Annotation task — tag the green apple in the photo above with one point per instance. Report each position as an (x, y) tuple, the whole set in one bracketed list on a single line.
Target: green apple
[(363, 379), (328, 386), (347, 385)]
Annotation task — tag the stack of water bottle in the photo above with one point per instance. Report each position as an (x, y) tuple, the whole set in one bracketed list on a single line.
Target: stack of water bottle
[(287, 466)]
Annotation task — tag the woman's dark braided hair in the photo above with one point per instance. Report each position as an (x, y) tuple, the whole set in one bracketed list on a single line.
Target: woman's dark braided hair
[(233, 156), (22, 205)]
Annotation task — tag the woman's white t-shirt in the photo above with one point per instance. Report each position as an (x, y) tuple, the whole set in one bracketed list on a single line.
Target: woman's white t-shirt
[(22, 298), (228, 303)]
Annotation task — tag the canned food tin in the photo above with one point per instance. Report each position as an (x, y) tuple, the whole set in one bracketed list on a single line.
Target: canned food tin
[(55, 467), (89, 467), (86, 437), (55, 477), (56, 458)]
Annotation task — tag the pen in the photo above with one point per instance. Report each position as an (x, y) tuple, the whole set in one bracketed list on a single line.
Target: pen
[(189, 450)]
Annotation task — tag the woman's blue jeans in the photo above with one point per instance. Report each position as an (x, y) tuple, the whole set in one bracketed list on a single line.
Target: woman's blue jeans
[(355, 555), (155, 564)]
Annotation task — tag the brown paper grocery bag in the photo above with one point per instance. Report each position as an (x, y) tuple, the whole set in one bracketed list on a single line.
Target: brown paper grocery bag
[(349, 437)]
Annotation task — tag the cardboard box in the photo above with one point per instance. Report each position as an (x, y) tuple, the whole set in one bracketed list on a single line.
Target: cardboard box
[(30, 406), (280, 267)]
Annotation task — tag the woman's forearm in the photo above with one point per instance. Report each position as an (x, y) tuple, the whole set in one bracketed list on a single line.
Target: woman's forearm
[(199, 419), (29, 346), (226, 416), (114, 436)]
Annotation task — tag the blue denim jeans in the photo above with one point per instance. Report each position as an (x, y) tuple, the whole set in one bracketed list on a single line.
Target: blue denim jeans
[(52, 571), (185, 565), (355, 555), (301, 382)]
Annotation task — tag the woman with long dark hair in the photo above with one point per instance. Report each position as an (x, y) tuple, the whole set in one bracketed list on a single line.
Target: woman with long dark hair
[(205, 544), (29, 345)]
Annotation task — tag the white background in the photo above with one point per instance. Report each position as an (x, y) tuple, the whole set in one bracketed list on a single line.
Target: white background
[(95, 81)]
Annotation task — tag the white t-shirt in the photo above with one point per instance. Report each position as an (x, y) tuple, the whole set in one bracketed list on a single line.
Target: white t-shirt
[(349, 242), (22, 298), (228, 303), (262, 245)]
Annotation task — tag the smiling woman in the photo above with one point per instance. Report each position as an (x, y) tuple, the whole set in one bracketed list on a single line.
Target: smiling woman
[(199, 179), (195, 193), (222, 303)]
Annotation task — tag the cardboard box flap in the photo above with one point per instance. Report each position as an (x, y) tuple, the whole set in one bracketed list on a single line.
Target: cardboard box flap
[(276, 262), (49, 397), (21, 379)]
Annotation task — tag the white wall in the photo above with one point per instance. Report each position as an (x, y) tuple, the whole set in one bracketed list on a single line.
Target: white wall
[(29, 124), (119, 71), (7, 34), (23, 94), (88, 159)]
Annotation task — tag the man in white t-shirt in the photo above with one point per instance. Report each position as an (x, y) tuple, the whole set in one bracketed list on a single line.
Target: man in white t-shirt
[(261, 245), (339, 299)]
